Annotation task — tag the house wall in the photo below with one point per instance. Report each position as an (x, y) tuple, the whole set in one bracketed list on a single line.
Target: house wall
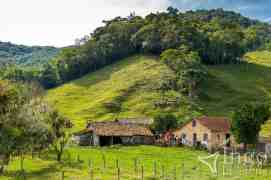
[(219, 139), (216, 140), (189, 130), (143, 140), (84, 139), (96, 140)]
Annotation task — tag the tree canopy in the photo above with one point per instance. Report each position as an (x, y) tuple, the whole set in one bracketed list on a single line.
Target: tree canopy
[(217, 36), (247, 121)]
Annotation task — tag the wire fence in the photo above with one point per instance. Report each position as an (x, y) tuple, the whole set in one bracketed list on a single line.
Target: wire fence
[(148, 169)]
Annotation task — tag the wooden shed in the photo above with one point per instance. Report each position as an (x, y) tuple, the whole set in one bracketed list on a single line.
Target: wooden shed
[(114, 132)]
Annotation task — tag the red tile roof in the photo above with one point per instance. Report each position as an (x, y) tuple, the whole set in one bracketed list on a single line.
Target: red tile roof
[(218, 124)]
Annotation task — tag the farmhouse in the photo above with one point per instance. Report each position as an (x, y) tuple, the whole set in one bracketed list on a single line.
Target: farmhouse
[(210, 132), (115, 132)]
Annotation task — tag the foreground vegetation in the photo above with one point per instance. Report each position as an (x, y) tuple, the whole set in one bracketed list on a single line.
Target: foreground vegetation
[(104, 163)]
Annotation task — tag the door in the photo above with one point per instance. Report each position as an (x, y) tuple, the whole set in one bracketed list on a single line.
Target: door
[(228, 140), (194, 139)]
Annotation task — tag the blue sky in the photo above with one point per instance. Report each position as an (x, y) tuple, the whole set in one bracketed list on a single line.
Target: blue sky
[(258, 9), (60, 22)]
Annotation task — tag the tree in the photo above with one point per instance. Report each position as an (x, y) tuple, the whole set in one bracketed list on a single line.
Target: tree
[(247, 121), (59, 125), (187, 67), (49, 76), (23, 126), (164, 122), (172, 11), (147, 39)]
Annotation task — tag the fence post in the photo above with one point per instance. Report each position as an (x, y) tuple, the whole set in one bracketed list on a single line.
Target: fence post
[(154, 169), (91, 173), (142, 172), (163, 172), (117, 163), (22, 163), (90, 164), (183, 176), (62, 175), (175, 173), (104, 161), (118, 173), (135, 165)]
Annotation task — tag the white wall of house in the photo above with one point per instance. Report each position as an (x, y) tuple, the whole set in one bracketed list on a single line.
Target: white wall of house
[(96, 140), (186, 134)]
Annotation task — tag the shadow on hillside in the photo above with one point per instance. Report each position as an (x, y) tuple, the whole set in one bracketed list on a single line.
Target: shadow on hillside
[(231, 85)]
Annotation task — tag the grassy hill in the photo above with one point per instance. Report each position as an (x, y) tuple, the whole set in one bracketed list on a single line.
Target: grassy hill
[(135, 79)]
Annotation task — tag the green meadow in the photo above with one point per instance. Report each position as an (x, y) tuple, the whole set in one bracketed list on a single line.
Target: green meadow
[(152, 162)]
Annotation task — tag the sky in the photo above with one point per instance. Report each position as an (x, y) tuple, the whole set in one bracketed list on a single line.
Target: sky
[(60, 22)]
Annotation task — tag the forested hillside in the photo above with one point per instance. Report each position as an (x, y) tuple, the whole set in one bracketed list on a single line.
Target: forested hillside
[(217, 36), (26, 55)]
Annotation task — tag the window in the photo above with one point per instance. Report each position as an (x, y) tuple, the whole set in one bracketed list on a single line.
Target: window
[(218, 137), (194, 123), (205, 137)]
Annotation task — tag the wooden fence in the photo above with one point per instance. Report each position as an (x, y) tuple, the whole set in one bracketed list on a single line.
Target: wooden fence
[(159, 171)]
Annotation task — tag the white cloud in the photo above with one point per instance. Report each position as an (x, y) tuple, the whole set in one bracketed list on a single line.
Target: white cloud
[(59, 22)]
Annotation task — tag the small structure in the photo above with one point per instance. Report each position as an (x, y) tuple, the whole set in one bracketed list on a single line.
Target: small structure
[(115, 132), (264, 145), (209, 132), (167, 139)]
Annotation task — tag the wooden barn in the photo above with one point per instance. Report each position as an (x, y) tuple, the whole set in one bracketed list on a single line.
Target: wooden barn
[(114, 132)]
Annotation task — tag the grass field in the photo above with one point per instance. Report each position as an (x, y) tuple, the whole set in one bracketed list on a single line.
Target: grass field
[(135, 78), (173, 162), (227, 87)]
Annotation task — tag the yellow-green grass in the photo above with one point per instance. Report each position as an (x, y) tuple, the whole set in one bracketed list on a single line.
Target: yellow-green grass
[(84, 99), (226, 88), (186, 162), (231, 85)]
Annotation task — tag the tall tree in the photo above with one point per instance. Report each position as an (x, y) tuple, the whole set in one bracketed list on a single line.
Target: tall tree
[(187, 67), (247, 121), (23, 126), (164, 122)]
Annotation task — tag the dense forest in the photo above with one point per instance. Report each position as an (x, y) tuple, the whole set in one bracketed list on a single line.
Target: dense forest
[(205, 36), (26, 55)]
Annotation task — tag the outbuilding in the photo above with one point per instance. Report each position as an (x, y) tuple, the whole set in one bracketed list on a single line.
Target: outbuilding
[(114, 132)]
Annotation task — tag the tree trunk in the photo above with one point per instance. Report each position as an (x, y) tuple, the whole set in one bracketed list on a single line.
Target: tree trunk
[(2, 169), (59, 157)]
